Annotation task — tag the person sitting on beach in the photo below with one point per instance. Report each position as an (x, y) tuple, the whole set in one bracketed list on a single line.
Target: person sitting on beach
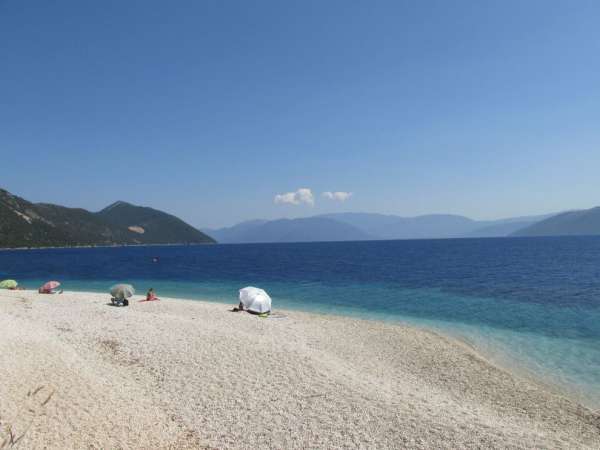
[(150, 295), (239, 307)]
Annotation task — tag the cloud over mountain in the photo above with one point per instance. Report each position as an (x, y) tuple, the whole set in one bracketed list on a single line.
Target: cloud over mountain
[(338, 196), (301, 196)]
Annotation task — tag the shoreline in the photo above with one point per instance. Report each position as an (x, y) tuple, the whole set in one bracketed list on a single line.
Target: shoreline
[(499, 359), (189, 373), (105, 246), (515, 367)]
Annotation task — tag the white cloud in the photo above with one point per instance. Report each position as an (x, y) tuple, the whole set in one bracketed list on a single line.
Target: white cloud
[(301, 196), (338, 196)]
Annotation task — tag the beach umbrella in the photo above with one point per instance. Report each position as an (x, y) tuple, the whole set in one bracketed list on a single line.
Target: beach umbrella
[(122, 291), (8, 284), (47, 287), (255, 300)]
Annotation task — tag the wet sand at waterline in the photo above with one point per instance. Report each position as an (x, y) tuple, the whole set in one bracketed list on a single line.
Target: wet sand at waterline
[(78, 373)]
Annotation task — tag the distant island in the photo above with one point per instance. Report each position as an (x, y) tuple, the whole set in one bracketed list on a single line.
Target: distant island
[(33, 225)]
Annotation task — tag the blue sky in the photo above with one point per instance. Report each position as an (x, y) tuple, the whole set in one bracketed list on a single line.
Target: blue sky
[(209, 109)]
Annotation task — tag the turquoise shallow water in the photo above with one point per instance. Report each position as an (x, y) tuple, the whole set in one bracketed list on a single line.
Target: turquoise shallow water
[(529, 304)]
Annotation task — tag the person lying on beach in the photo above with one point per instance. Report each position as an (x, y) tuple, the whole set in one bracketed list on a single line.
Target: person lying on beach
[(150, 295), (238, 308)]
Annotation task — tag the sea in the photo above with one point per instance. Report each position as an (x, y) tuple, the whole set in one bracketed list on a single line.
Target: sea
[(530, 305)]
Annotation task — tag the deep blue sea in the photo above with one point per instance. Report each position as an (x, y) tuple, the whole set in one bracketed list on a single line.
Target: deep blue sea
[(530, 304)]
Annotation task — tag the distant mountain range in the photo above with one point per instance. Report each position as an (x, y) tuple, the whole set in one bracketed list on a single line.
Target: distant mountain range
[(572, 223), (431, 226), (366, 226), (308, 229), (26, 224)]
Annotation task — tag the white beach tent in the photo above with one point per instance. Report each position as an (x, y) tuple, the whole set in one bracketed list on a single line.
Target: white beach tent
[(255, 300)]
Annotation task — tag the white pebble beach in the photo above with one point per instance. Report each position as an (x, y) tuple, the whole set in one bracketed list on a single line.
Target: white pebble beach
[(78, 373)]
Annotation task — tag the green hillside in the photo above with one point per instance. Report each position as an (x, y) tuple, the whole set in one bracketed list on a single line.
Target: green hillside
[(26, 224), (148, 225)]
